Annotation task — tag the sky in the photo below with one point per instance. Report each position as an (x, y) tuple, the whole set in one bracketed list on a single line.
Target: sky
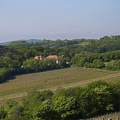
[(58, 19)]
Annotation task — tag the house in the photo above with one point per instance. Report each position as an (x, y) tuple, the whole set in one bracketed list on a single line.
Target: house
[(39, 57), (52, 57), (48, 57)]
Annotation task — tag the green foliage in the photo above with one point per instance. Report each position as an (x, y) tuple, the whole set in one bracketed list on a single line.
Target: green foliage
[(4, 74), (18, 56), (70, 92), (102, 98), (3, 113), (34, 99), (94, 99), (16, 113), (114, 65), (48, 43), (67, 107), (97, 60), (32, 65), (10, 103), (45, 112), (98, 63)]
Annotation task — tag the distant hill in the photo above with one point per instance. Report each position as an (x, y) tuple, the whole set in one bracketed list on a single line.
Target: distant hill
[(5, 43), (30, 40), (48, 43), (33, 40), (104, 44)]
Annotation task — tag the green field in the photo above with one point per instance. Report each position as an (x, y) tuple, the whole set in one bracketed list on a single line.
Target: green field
[(62, 78)]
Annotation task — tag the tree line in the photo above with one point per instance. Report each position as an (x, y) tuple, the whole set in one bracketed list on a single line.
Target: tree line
[(108, 60), (19, 59), (104, 44), (47, 43)]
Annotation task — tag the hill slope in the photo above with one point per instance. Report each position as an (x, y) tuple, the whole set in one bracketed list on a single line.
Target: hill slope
[(52, 80)]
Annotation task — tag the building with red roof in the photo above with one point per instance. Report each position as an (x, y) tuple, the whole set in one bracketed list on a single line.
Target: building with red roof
[(52, 57)]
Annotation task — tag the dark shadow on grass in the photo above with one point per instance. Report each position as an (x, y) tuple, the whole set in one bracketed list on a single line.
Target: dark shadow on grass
[(7, 79)]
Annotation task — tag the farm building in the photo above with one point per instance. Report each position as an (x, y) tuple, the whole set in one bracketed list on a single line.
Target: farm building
[(48, 57), (39, 57), (52, 57)]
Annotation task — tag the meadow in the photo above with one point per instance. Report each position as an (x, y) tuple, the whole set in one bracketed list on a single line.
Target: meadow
[(53, 80)]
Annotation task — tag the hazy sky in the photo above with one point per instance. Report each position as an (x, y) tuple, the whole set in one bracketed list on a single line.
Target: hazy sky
[(58, 19)]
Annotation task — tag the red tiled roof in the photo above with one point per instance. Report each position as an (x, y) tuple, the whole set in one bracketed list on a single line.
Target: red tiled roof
[(53, 57)]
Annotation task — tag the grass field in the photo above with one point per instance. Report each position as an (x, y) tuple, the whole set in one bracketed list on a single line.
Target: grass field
[(52, 80)]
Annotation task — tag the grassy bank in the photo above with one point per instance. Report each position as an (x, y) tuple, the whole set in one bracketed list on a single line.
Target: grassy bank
[(52, 80)]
